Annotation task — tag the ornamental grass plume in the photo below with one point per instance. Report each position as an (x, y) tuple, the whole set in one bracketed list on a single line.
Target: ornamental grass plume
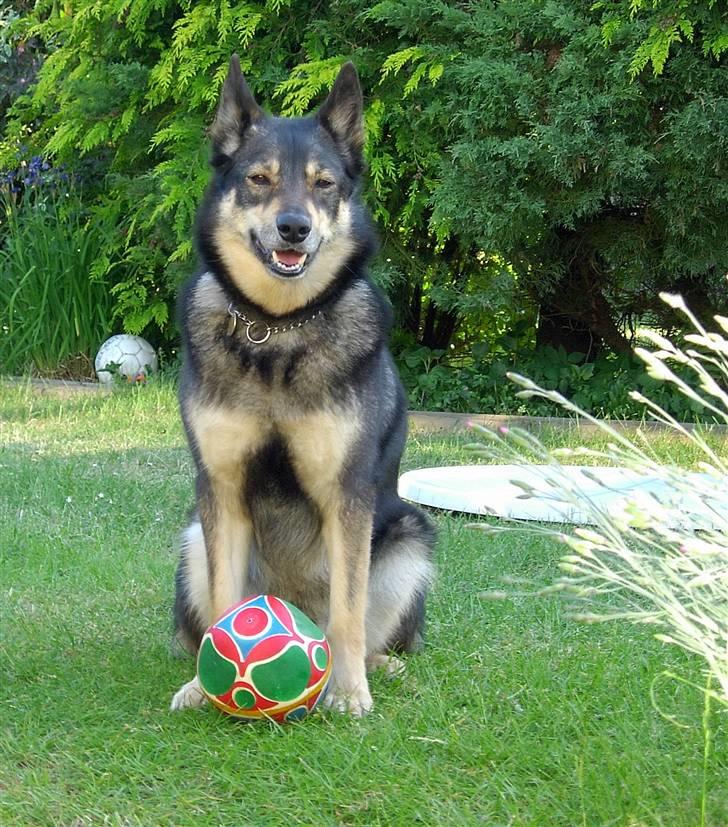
[(659, 558)]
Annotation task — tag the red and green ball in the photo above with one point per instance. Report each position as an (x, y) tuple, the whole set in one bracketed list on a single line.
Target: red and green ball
[(264, 659)]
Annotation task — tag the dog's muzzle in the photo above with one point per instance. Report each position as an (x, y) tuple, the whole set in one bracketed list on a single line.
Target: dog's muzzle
[(285, 261)]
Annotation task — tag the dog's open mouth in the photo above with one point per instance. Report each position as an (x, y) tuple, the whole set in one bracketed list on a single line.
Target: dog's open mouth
[(287, 263)]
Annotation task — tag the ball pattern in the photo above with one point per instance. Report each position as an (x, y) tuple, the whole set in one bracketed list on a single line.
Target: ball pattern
[(264, 659)]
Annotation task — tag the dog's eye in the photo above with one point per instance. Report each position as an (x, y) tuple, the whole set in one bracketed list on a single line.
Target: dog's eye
[(259, 180), (324, 183)]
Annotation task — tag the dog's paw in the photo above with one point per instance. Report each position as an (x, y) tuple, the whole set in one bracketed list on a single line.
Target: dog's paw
[(391, 665), (190, 696), (356, 700)]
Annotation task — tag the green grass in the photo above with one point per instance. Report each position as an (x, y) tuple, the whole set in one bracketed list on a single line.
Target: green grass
[(514, 714)]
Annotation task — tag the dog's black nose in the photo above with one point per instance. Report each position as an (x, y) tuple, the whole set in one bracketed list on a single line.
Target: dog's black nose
[(293, 226)]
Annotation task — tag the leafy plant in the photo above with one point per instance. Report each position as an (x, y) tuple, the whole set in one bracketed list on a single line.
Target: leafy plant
[(53, 313), (671, 22), (514, 163)]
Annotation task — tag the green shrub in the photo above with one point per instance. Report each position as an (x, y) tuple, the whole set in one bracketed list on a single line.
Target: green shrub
[(480, 385), (53, 312), (512, 157)]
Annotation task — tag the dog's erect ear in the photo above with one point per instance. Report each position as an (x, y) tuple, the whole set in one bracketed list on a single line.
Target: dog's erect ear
[(236, 111), (341, 115)]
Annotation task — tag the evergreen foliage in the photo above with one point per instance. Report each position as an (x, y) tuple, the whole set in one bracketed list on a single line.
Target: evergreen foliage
[(669, 22), (524, 159), (598, 189)]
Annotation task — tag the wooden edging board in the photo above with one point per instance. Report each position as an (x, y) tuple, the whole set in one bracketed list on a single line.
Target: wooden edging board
[(453, 422), (432, 421)]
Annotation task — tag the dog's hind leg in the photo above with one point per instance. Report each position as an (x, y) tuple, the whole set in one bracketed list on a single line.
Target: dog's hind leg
[(192, 593), (189, 696), (191, 608), (400, 576)]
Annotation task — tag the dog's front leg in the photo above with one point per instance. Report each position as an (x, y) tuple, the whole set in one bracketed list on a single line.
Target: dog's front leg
[(347, 534), (224, 441), (321, 448), (228, 534)]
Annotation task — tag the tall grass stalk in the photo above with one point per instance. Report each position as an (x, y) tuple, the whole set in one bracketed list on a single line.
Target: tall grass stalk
[(659, 558), (53, 314)]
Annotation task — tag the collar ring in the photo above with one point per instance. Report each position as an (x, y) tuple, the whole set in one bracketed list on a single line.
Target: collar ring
[(251, 337)]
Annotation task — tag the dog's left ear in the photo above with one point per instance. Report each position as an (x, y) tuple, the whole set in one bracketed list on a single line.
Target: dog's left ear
[(341, 115)]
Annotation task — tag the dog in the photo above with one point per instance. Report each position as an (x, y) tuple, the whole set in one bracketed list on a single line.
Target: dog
[(290, 399)]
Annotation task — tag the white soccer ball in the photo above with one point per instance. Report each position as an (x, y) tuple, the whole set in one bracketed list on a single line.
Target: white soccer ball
[(133, 357)]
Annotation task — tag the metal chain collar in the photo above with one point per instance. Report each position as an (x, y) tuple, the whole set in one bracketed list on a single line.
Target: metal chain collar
[(269, 331)]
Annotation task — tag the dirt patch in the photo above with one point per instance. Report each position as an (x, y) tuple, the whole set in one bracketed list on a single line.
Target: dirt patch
[(60, 387)]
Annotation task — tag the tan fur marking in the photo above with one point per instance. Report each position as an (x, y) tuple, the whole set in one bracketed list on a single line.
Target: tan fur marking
[(321, 220), (348, 541), (319, 444), (270, 168), (225, 438), (336, 248), (232, 240), (313, 172)]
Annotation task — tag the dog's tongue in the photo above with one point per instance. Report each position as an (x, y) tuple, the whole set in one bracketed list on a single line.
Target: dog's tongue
[(289, 257)]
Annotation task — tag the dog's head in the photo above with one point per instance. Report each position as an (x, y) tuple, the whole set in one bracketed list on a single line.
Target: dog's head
[(281, 219)]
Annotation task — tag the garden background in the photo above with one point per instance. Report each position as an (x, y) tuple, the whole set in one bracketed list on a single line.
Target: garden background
[(538, 172)]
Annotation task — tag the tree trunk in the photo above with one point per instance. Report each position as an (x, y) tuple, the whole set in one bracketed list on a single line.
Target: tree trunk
[(558, 329), (577, 315), (433, 326), (413, 311), (439, 327)]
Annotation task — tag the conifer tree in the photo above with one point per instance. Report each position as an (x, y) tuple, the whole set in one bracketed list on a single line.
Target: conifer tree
[(537, 157)]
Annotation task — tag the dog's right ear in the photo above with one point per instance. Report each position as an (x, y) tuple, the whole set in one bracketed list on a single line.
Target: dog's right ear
[(236, 112)]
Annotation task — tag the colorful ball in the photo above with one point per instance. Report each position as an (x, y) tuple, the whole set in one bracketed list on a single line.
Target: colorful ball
[(264, 659)]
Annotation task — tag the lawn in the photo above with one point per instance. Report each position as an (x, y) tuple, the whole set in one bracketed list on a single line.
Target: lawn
[(513, 715)]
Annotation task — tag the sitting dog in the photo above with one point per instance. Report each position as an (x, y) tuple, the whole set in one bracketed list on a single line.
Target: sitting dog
[(291, 402)]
